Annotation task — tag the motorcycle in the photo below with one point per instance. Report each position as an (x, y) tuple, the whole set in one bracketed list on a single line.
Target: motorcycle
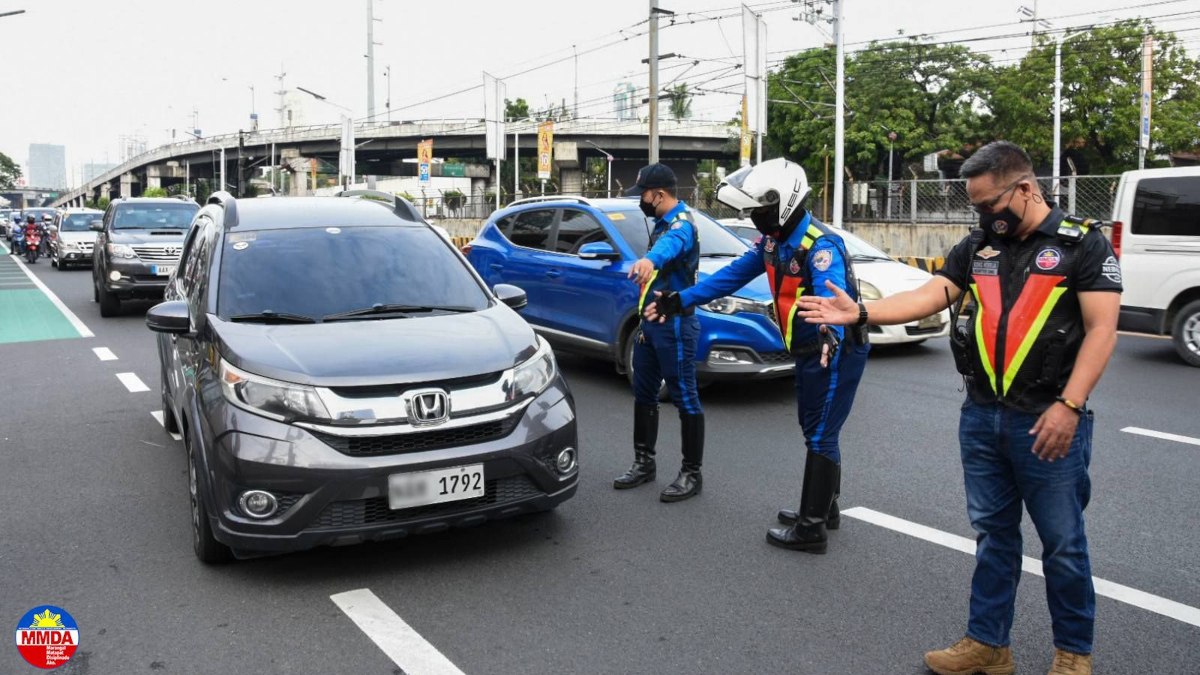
[(33, 241), (18, 241)]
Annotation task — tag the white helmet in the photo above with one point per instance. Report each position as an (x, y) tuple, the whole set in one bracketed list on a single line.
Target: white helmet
[(775, 182)]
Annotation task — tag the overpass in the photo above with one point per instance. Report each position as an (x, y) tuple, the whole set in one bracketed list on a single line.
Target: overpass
[(383, 147)]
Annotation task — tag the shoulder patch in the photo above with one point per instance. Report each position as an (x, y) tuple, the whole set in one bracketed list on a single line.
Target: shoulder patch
[(676, 226), (822, 259), (1048, 258), (1111, 270)]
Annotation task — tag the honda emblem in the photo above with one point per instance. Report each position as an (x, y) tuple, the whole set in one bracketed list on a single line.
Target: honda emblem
[(428, 407)]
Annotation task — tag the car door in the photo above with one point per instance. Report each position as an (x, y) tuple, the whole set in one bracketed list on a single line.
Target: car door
[(583, 294), (187, 285), (531, 264), (1161, 246)]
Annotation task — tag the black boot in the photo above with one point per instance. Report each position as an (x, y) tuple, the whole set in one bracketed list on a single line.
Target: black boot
[(833, 522), (645, 435), (689, 481), (821, 476)]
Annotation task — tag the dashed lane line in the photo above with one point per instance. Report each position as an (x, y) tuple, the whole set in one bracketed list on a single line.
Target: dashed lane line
[(1130, 596), (1162, 434), (158, 417), (104, 354), (403, 645), (132, 382)]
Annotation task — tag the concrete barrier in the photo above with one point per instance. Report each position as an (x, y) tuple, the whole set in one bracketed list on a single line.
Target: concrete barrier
[(923, 240), (930, 265)]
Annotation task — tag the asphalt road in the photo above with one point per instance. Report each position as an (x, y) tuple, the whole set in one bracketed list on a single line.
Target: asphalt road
[(95, 520)]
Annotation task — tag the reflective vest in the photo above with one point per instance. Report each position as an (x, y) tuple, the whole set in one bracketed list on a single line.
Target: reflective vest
[(1027, 327), (789, 281), (688, 262)]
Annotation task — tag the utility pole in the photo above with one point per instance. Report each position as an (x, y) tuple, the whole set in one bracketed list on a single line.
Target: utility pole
[(653, 81), (1056, 169), (281, 92), (839, 158), (371, 60), (241, 165), (576, 114), (1147, 94), (387, 104), (223, 183), (1033, 36)]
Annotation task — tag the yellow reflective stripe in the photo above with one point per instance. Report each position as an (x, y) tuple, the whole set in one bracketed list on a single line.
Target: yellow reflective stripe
[(787, 338), (807, 242), (814, 232), (1011, 368), (646, 291), (980, 343)]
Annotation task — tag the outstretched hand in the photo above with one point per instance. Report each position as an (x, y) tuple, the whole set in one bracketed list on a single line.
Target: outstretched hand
[(840, 310)]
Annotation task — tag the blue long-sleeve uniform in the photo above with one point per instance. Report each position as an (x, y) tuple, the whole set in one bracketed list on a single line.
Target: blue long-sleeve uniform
[(675, 250)]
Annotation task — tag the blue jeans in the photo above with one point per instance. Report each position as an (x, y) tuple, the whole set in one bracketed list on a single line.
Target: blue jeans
[(667, 351), (824, 396), (1001, 472)]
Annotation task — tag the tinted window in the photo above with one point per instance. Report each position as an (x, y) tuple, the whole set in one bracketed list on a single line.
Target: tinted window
[(192, 272), (714, 240), (77, 222), (576, 229), (313, 272), (154, 216), (505, 225), (532, 229), (1167, 206)]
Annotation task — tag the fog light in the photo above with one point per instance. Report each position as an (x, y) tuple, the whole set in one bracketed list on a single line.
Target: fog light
[(258, 504), (566, 461), (729, 357), (115, 276)]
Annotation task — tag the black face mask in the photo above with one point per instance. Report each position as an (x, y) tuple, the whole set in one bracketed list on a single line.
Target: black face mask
[(1003, 224), (766, 221), (648, 208)]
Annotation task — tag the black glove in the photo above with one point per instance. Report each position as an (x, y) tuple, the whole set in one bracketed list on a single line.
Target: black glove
[(829, 338), (669, 304)]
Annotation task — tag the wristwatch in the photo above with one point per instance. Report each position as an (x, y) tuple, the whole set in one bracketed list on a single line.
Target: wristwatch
[(862, 314), (1070, 404)]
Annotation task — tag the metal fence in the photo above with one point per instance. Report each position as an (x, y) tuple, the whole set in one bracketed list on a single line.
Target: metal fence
[(946, 201)]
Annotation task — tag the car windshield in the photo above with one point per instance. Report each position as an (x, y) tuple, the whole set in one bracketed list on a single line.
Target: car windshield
[(861, 250), (37, 213), (316, 272), (715, 241), (154, 216), (78, 222)]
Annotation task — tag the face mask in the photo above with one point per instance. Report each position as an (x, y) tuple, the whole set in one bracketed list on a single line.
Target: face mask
[(1003, 224), (766, 221), (648, 208)]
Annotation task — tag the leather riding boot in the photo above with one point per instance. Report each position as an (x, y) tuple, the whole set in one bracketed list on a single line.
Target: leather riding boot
[(645, 435), (808, 533), (833, 522), (689, 482)]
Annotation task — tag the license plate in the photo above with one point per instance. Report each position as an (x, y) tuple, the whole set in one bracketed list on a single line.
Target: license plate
[(422, 488), (930, 321), (162, 270)]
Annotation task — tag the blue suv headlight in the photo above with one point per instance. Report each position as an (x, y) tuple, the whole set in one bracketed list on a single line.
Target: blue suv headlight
[(732, 305)]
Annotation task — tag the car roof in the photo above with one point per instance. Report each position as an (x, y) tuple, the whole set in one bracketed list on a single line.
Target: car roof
[(81, 210), (287, 213), (155, 200)]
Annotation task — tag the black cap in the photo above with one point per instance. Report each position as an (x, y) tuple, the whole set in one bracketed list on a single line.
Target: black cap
[(652, 177)]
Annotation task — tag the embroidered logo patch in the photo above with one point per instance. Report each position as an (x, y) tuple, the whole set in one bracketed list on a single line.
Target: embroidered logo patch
[(795, 266), (769, 247), (1000, 226), (1111, 270), (822, 260), (987, 253), (1049, 259)]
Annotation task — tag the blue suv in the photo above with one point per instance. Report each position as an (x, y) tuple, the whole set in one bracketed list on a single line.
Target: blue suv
[(571, 256)]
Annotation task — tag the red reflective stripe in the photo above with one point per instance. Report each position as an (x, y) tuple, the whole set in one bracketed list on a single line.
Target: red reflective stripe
[(784, 302), (771, 282), (989, 297), (1025, 311)]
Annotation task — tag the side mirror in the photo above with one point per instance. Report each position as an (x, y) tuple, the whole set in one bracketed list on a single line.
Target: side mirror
[(169, 317), (512, 296), (96, 226), (599, 250)]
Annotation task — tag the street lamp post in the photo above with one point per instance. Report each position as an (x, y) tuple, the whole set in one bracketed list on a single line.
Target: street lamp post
[(346, 155), (608, 189), (891, 156)]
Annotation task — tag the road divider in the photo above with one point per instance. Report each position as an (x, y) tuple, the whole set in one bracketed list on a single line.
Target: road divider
[(1130, 596), (1162, 434), (403, 645), (132, 382)]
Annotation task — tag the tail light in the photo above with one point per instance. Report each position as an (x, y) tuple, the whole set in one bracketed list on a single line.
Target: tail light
[(1116, 237), (466, 249)]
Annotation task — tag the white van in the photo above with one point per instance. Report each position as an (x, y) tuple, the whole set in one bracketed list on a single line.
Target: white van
[(1156, 235)]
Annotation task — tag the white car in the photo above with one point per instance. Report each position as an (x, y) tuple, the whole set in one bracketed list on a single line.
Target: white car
[(878, 277)]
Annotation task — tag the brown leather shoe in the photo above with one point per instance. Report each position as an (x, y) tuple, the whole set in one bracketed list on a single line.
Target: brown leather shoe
[(1066, 663), (970, 657)]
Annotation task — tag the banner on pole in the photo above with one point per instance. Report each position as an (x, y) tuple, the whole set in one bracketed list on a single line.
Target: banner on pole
[(493, 115), (1147, 89), (746, 138), (424, 159), (545, 148)]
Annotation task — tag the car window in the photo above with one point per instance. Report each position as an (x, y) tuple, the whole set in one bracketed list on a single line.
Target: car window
[(192, 272), (532, 229), (505, 224), (575, 229), (154, 216), (77, 222), (715, 240), (1167, 207), (315, 272), (634, 229)]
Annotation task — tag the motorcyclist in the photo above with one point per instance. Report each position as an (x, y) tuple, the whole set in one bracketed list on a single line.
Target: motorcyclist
[(44, 246), (18, 238)]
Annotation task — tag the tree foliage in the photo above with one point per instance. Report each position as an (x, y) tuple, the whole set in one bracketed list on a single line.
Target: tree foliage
[(681, 101), (9, 172)]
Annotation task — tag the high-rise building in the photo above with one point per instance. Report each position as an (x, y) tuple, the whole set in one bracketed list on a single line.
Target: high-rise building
[(624, 102), (47, 165)]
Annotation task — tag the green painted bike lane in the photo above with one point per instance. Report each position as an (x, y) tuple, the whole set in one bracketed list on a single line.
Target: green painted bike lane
[(27, 313)]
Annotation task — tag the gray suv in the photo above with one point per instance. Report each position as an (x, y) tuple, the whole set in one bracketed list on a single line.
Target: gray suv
[(137, 249), (339, 373)]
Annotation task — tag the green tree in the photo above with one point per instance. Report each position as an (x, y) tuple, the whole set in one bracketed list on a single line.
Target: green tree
[(1101, 108), (154, 192), (9, 172), (516, 110), (681, 102)]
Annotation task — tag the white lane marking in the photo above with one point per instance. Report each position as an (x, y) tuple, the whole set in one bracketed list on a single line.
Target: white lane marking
[(389, 632), (1108, 589), (104, 354), (1162, 434), (79, 326), (158, 416), (132, 382)]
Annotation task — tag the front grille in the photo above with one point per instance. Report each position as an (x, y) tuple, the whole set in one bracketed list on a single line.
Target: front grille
[(922, 331), (776, 357), (158, 253), (286, 500), (357, 512), (420, 440), (771, 313)]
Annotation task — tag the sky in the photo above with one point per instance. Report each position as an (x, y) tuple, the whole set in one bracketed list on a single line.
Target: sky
[(82, 73)]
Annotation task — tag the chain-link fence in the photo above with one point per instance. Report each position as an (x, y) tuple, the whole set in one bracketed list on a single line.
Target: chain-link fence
[(946, 201)]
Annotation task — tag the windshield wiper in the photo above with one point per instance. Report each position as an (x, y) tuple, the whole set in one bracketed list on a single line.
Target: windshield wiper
[(868, 257), (381, 308), (267, 316)]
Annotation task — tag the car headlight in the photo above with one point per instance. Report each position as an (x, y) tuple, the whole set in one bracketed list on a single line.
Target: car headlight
[(868, 291), (120, 250), (70, 246), (277, 400), (732, 305), (533, 376)]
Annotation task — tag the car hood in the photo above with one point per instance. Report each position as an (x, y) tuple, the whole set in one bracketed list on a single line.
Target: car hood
[(758, 289), (889, 276), (135, 237), (77, 237), (373, 352)]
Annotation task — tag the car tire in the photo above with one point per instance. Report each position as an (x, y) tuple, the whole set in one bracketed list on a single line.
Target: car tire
[(1186, 333), (110, 305), (207, 548), (664, 393)]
